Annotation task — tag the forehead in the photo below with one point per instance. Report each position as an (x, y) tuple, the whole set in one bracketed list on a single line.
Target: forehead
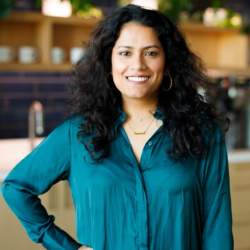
[(134, 33)]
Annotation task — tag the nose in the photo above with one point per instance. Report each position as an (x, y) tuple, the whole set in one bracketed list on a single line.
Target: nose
[(138, 63)]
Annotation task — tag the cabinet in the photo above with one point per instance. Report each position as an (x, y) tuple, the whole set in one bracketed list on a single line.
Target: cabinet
[(240, 196), (43, 32), (220, 48), (57, 202)]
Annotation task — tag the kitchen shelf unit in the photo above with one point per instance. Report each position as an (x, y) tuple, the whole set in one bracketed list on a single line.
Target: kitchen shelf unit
[(222, 49), (43, 32)]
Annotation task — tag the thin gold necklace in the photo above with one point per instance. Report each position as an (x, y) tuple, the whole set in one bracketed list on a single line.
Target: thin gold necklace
[(141, 119), (141, 133)]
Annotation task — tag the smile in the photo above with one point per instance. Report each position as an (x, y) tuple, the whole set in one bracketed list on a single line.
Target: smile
[(137, 79)]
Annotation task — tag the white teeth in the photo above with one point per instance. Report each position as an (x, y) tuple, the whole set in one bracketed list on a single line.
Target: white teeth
[(138, 79)]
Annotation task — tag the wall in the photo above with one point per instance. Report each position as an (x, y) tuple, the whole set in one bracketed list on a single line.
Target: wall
[(17, 92)]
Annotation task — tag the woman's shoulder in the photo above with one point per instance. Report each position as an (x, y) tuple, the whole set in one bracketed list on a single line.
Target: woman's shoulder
[(75, 119), (212, 131), (72, 120), (70, 123)]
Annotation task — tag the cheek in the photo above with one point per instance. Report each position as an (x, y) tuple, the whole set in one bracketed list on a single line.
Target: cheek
[(159, 67), (117, 71), (118, 67)]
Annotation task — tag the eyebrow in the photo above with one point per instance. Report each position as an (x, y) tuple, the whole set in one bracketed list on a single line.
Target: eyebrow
[(131, 47)]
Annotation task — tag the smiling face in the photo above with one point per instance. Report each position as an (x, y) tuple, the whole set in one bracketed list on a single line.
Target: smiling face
[(138, 62)]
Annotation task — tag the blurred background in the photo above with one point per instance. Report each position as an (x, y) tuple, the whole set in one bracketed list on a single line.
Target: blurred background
[(41, 39)]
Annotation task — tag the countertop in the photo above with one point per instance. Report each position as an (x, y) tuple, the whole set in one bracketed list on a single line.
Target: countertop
[(13, 151)]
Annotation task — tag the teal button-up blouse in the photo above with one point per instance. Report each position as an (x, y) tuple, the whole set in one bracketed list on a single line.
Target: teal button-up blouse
[(159, 204)]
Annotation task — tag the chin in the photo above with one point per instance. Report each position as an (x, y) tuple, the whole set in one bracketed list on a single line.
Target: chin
[(136, 95)]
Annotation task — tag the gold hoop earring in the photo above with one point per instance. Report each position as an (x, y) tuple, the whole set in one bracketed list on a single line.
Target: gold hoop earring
[(171, 83), (108, 81)]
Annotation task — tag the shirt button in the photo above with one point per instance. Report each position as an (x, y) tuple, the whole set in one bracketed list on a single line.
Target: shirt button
[(150, 143)]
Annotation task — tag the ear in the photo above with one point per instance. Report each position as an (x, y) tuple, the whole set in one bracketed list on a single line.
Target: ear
[(166, 71)]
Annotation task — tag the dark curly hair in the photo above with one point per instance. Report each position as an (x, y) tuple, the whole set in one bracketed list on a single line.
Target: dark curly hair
[(185, 109)]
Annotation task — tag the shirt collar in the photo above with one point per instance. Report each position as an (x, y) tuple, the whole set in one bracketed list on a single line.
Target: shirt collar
[(121, 117)]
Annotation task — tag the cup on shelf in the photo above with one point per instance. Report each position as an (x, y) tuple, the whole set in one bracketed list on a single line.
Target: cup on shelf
[(58, 55), (28, 54), (75, 54), (7, 54)]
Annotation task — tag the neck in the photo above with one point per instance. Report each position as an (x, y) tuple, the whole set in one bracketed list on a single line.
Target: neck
[(136, 109)]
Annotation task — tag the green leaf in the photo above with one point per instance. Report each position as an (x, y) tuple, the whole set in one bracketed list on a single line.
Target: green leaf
[(172, 8), (5, 8)]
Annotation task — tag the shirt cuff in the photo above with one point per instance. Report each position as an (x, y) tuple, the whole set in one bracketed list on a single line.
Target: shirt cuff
[(57, 239)]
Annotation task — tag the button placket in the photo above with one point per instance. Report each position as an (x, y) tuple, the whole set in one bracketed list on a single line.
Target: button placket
[(147, 151), (140, 198), (142, 216), (140, 193)]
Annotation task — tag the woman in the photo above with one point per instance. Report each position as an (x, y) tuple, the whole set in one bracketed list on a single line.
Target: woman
[(144, 153)]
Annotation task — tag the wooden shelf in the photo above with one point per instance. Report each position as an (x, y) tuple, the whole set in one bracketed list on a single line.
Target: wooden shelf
[(223, 50), (220, 72), (201, 28), (64, 67), (43, 32), (36, 17), (218, 47)]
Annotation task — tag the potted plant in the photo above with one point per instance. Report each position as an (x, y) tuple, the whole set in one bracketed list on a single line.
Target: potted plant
[(5, 8), (173, 8), (84, 8)]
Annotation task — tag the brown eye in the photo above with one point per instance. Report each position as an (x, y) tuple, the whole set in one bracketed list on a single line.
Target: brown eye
[(151, 53), (125, 53)]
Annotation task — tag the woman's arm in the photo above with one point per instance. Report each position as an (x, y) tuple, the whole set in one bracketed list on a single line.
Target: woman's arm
[(46, 165), (217, 231)]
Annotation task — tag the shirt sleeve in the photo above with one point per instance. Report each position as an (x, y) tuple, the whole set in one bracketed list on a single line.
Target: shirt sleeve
[(46, 165), (217, 231)]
